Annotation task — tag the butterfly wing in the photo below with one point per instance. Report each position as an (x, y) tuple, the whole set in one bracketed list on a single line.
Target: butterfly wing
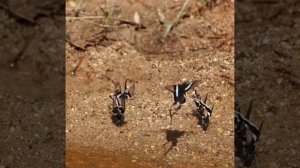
[(188, 86), (170, 88), (118, 88), (114, 100), (129, 89)]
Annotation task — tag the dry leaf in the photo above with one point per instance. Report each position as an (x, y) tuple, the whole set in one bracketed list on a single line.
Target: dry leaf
[(161, 16), (137, 18)]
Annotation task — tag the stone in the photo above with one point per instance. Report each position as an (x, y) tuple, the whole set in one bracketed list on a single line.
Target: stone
[(12, 129), (273, 165)]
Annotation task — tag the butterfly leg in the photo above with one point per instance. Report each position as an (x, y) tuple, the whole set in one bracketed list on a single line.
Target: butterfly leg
[(173, 110)]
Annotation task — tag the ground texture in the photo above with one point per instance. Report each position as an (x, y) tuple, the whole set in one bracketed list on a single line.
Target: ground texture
[(101, 50), (267, 72), (32, 84)]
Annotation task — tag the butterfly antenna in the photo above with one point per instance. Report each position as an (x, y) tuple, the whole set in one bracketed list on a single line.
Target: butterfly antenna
[(261, 125), (205, 99), (249, 111)]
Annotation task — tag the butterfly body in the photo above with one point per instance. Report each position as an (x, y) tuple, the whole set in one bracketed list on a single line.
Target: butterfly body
[(246, 135), (179, 94), (180, 91), (118, 112), (203, 109), (119, 98)]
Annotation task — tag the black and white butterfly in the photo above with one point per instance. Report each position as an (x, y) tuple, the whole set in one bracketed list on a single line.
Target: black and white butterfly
[(179, 92), (119, 98), (118, 112), (246, 135), (203, 109)]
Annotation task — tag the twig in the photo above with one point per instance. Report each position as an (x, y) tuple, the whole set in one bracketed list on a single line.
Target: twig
[(73, 72), (170, 25), (84, 17), (294, 80), (173, 52), (76, 46), (23, 50), (228, 78), (131, 24), (77, 7), (5, 5)]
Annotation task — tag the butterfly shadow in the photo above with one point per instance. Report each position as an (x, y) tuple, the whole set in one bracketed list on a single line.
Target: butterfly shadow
[(172, 137), (117, 122)]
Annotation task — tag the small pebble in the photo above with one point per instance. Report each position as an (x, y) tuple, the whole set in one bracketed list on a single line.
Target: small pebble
[(293, 152), (129, 134), (270, 141), (98, 137), (10, 157), (12, 129), (227, 133), (273, 165), (279, 81), (269, 115)]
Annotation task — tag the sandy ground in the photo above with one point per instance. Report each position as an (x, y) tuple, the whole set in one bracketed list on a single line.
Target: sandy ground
[(32, 104), (32, 121), (119, 52), (267, 72)]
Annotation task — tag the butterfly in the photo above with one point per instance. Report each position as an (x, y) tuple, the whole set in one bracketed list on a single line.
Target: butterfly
[(203, 109), (118, 112), (119, 98), (128, 90), (179, 92), (246, 135)]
